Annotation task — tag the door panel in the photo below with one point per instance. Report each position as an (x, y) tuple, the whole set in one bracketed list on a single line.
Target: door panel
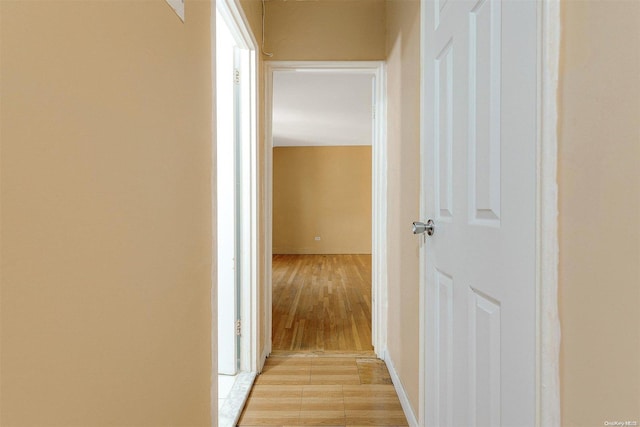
[(484, 112), (444, 288), (484, 359), (479, 144), (444, 132)]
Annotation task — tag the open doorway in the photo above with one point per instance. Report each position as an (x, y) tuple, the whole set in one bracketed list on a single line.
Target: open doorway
[(325, 207), (322, 137), (236, 196)]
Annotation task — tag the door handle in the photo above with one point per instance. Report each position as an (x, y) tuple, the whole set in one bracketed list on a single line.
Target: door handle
[(421, 227)]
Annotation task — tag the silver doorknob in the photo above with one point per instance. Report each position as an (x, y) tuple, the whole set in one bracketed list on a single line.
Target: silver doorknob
[(421, 227)]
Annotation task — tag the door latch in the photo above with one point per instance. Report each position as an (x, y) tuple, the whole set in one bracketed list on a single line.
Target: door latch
[(421, 227)]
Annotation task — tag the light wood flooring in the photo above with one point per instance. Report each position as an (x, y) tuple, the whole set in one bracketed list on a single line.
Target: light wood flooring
[(321, 314), (322, 303), (321, 391)]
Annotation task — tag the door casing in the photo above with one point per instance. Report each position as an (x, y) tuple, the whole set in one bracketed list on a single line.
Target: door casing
[(547, 319), (379, 190), (238, 24)]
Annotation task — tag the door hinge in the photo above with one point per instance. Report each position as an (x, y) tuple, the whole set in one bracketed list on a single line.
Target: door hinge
[(236, 76), (238, 328)]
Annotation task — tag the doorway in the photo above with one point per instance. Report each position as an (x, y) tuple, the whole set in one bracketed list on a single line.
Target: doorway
[(328, 388), (374, 73), (236, 196)]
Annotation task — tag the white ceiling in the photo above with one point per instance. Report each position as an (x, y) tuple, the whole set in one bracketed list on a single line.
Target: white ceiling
[(321, 108)]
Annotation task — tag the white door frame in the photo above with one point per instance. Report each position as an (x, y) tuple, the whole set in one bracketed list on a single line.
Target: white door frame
[(547, 320), (239, 27), (379, 190)]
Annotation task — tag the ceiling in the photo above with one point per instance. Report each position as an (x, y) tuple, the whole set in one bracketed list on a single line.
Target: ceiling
[(312, 108)]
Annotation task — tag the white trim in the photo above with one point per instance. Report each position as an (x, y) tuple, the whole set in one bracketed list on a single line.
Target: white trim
[(214, 226), (547, 255), (236, 21), (422, 298), (379, 284), (263, 359), (379, 188), (547, 321), (268, 208), (402, 394)]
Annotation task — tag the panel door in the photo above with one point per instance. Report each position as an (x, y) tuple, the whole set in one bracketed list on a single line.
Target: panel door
[(479, 145)]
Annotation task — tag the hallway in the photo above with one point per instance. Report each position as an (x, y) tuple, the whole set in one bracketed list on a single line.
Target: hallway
[(109, 213)]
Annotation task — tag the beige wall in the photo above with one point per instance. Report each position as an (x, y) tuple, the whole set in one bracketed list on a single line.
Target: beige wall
[(599, 177), (335, 30), (325, 192), (106, 193), (403, 80), (253, 12)]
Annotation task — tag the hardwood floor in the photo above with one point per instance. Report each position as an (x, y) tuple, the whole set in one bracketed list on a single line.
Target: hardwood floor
[(311, 390), (321, 313), (322, 303)]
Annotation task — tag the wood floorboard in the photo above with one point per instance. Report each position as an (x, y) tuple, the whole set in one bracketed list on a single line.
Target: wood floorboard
[(319, 391), (321, 303)]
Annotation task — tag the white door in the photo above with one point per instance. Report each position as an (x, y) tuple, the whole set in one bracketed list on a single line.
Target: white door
[(479, 148), (227, 198)]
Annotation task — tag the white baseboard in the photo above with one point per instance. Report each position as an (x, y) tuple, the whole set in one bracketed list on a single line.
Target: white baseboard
[(382, 354), (263, 358), (402, 395)]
